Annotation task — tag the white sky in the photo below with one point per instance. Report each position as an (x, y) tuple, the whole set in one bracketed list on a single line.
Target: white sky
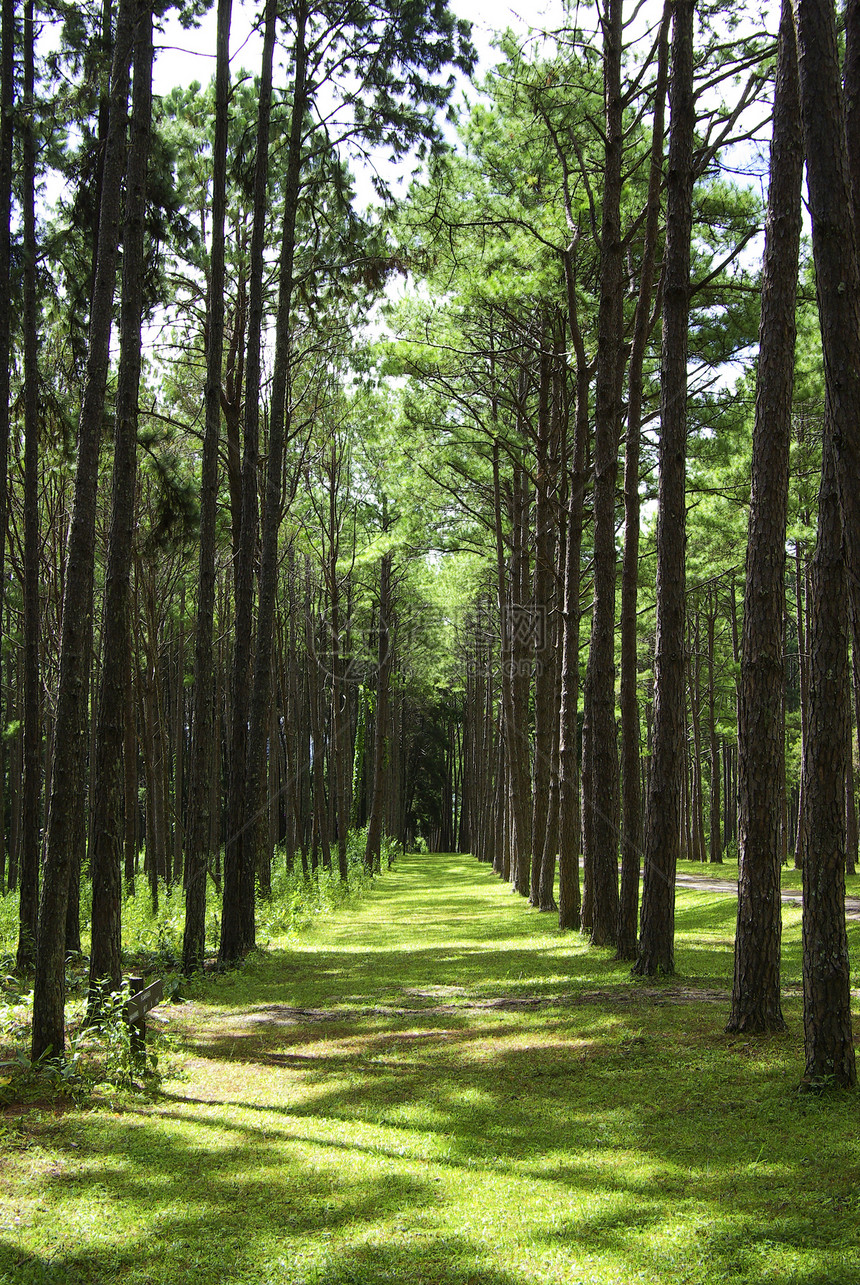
[(183, 56), (190, 55)]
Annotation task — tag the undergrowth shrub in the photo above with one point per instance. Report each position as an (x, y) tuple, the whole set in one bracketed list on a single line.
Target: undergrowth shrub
[(8, 925), (298, 900), (100, 1053), (16, 1003), (152, 939), (154, 935)]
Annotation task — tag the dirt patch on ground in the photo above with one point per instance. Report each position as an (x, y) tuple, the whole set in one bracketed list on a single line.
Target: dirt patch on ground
[(611, 997)]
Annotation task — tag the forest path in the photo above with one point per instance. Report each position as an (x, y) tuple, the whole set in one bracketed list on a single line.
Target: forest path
[(465, 1095), (436, 1087), (439, 934), (788, 896), (436, 930)]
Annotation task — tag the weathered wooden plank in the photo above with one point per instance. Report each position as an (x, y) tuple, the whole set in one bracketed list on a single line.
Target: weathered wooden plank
[(140, 1004)]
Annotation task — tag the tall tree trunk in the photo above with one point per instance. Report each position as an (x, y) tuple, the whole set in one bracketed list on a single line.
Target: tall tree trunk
[(586, 774), (662, 822), (761, 738), (80, 822), (569, 799), (554, 634), (130, 774), (178, 736), (631, 793), (521, 624), (28, 881), (49, 990), (570, 816), (851, 73), (383, 681), (550, 848), (697, 850), (240, 863), (16, 777), (7, 107), (800, 580), (852, 134), (544, 682), (199, 833), (827, 1012), (855, 675), (315, 693), (108, 779), (714, 834), (340, 756), (851, 853), (835, 226), (273, 801), (826, 974), (520, 829), (607, 430)]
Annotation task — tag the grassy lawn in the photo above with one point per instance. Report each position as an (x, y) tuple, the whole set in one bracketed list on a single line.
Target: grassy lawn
[(437, 1088)]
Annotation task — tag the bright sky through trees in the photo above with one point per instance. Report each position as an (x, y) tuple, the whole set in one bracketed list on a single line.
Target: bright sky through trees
[(183, 56)]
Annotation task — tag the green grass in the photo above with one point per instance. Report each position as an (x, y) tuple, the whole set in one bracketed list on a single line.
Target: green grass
[(435, 1087)]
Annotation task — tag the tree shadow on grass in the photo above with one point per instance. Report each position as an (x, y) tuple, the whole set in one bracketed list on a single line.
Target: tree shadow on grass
[(449, 1261), (260, 1208), (656, 1150)]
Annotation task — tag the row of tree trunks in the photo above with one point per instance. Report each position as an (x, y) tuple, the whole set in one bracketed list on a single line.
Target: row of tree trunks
[(603, 803)]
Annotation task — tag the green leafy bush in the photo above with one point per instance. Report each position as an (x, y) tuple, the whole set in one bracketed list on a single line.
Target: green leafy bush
[(154, 935), (8, 926), (297, 900), (118, 1060)]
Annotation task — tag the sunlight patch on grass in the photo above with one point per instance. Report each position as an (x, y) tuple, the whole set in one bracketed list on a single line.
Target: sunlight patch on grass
[(488, 1102)]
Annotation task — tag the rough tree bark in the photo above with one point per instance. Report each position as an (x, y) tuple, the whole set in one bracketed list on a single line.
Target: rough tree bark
[(108, 779), (199, 791), (826, 976), (761, 748), (49, 989), (656, 952), (827, 1011)]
